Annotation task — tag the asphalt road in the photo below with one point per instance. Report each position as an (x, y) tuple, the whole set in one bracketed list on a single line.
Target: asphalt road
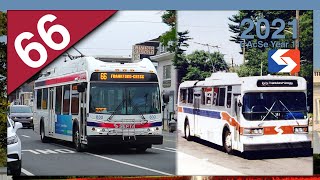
[(191, 155), (59, 158)]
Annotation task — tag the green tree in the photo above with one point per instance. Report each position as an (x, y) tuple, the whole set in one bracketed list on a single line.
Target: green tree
[(169, 38), (200, 64), (180, 60)]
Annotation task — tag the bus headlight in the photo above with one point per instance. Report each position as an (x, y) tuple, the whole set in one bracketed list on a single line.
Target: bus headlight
[(301, 130), (253, 131), (151, 129)]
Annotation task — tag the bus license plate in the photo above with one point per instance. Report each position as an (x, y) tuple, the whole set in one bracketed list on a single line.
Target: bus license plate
[(126, 126)]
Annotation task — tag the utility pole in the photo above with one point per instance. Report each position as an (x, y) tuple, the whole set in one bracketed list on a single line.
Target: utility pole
[(261, 69), (244, 50), (232, 62)]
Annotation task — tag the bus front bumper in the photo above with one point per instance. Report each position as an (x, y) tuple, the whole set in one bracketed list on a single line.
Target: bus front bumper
[(125, 140), (277, 146)]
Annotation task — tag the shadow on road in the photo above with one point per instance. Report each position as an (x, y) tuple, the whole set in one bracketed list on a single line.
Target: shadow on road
[(105, 150), (263, 154)]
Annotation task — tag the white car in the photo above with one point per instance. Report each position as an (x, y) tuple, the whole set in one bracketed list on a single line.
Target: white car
[(14, 148)]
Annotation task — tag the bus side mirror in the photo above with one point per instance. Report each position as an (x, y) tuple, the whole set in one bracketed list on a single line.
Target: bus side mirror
[(239, 104), (81, 87), (165, 98)]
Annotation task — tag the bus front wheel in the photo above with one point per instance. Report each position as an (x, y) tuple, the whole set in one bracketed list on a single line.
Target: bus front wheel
[(76, 139), (187, 131), (227, 141), (43, 137), (142, 148)]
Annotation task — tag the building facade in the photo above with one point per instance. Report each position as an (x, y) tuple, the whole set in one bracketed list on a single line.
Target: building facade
[(168, 78), (316, 100)]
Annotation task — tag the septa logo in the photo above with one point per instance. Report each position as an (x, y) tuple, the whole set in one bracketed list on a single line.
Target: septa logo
[(36, 38), (284, 60)]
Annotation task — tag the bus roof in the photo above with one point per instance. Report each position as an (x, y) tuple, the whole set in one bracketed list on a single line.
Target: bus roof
[(61, 67), (252, 83)]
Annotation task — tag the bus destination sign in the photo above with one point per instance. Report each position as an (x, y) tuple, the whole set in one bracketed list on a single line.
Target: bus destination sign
[(277, 83), (124, 77)]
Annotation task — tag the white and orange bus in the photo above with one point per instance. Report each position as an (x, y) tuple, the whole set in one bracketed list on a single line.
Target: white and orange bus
[(245, 113), (91, 102)]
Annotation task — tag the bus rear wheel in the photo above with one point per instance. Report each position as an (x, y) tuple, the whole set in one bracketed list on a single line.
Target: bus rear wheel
[(227, 141), (76, 139)]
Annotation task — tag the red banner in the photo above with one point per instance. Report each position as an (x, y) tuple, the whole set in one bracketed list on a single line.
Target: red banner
[(36, 38)]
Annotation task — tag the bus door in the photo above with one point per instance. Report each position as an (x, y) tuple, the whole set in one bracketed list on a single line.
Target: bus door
[(82, 112), (196, 104), (51, 112), (236, 114)]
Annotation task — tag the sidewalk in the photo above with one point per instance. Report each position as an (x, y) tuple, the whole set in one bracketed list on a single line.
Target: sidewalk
[(166, 125)]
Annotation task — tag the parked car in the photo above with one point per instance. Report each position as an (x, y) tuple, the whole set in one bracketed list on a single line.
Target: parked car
[(22, 114), (13, 148)]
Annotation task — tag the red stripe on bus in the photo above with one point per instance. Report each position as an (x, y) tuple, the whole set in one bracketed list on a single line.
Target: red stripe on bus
[(80, 76)]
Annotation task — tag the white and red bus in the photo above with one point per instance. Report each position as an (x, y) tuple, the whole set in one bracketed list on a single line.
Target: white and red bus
[(91, 102), (245, 113)]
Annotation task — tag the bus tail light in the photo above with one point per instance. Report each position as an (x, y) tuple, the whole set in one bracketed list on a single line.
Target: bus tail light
[(301, 130), (253, 131)]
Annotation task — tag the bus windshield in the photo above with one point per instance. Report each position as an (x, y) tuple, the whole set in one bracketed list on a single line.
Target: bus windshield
[(274, 106), (125, 98)]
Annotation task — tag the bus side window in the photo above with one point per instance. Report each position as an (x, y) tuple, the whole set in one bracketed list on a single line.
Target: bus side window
[(235, 106), (203, 97), (74, 100), (39, 98), (44, 103), (190, 95), (221, 96), (66, 99), (183, 95), (215, 96), (58, 100), (229, 91), (229, 100)]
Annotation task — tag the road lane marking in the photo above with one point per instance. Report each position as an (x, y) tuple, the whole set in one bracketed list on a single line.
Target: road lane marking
[(171, 148), (123, 162), (169, 140), (46, 151), (26, 172), (163, 149), (32, 151), (65, 151), (25, 136), (129, 164), (50, 151)]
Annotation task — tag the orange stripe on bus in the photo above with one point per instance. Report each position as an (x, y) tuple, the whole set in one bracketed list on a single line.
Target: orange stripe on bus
[(231, 120)]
